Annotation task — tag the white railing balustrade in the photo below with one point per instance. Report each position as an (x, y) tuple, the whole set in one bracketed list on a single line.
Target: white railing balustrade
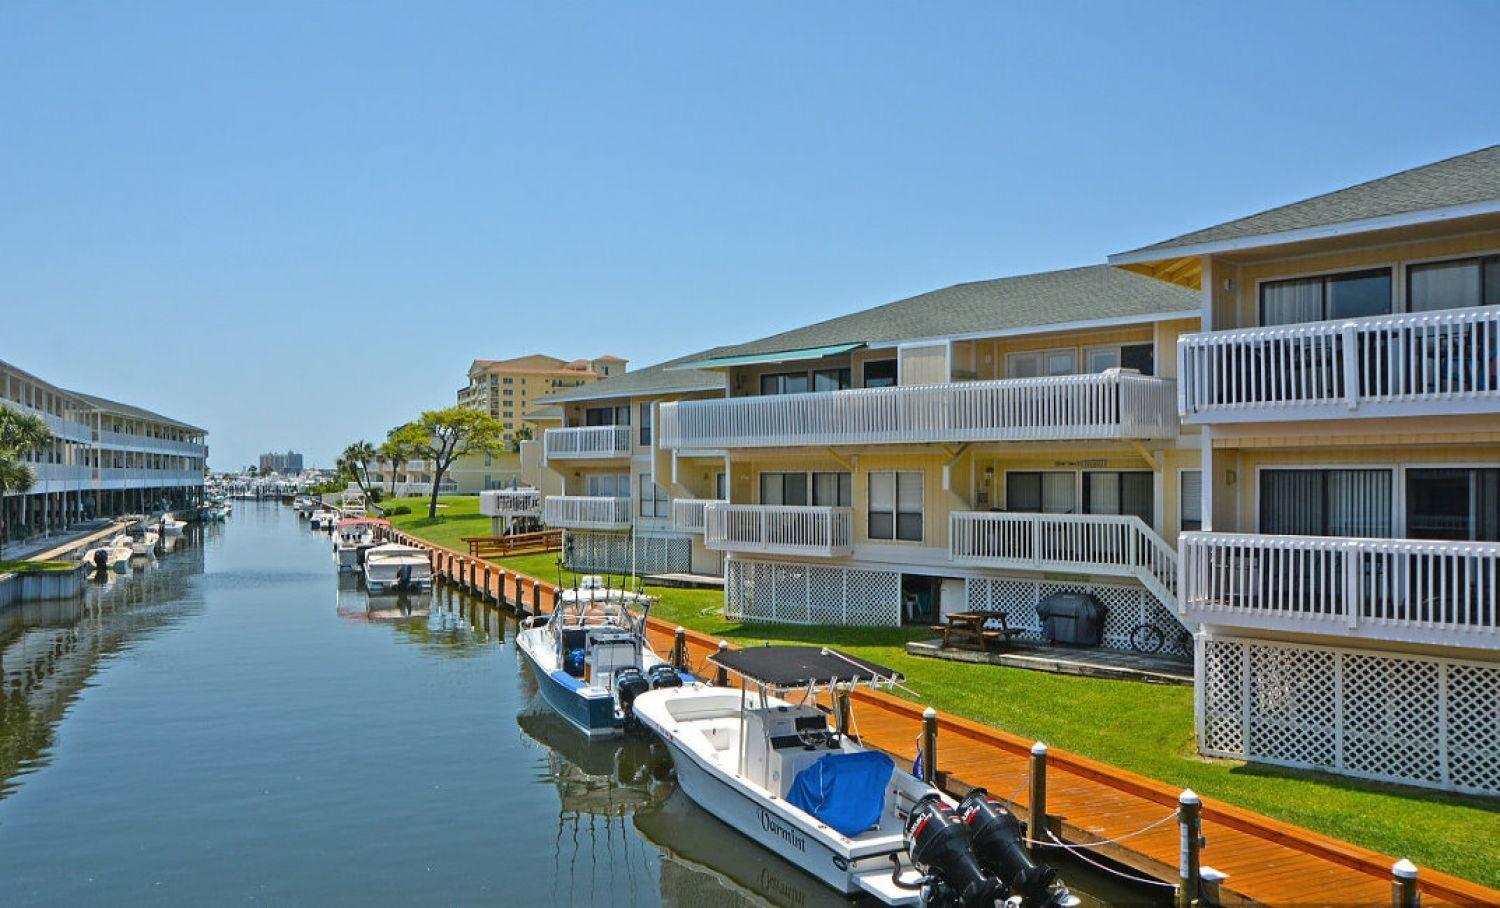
[(687, 513), (779, 529), (1409, 590), (586, 512), (586, 442), (1113, 404), (1385, 365), (510, 502), (1109, 544)]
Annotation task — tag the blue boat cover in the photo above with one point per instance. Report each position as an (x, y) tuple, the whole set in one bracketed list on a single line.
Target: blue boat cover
[(844, 791)]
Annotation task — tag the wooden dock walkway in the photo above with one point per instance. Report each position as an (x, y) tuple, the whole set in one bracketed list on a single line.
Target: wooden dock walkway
[(1268, 862)]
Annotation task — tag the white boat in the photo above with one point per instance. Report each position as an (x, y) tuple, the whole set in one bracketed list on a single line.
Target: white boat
[(171, 526), (352, 538), (352, 504), (143, 542), (392, 568), (324, 519), (772, 768), (590, 657), (114, 554)]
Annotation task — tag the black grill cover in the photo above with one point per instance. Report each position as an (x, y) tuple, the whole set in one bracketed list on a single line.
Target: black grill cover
[(1072, 618)]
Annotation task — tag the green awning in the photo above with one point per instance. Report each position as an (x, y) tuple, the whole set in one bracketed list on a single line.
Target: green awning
[(783, 356)]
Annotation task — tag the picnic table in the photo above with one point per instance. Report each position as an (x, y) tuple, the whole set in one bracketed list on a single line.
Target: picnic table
[(967, 630)]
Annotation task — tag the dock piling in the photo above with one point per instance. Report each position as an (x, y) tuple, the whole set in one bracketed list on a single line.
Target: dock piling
[(1404, 892), (679, 649), (1189, 871), (722, 678), (929, 746), (1036, 801)]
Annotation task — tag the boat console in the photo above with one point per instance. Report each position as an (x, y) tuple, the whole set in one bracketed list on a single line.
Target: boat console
[(782, 740)]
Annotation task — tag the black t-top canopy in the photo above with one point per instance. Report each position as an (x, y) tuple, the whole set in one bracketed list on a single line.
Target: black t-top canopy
[(787, 667)]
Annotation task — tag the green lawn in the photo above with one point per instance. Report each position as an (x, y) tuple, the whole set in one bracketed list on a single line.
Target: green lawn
[(26, 566), (1146, 728)]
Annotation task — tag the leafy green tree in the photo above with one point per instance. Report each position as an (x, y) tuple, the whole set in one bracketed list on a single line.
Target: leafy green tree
[(392, 451), (443, 436), (355, 462), (20, 434)]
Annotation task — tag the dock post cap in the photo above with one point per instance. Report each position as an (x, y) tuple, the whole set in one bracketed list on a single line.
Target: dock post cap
[(680, 630), (1039, 749), (1188, 796), (929, 713), (1404, 869), (723, 645)]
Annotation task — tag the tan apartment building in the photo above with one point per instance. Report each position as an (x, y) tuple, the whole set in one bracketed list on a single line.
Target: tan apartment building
[(1345, 388)]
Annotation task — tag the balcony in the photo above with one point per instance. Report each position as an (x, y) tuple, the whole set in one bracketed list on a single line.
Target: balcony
[(510, 503), (1404, 590), (1106, 544), (1108, 405), (126, 441), (687, 513), (137, 477), (586, 512), (583, 443), (779, 529), (62, 427), (1432, 363)]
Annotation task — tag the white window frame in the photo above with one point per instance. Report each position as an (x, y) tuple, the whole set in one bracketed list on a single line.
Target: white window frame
[(896, 513), (1041, 357)]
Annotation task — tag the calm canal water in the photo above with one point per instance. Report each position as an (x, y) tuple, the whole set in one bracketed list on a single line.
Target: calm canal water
[(234, 724)]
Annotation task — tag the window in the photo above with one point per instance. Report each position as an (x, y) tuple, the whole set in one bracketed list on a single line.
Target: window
[(721, 487), (1120, 492), (1140, 357), (783, 488), (508, 380), (1317, 299), (1191, 500), (784, 383), (1038, 363), (1325, 502), (609, 485), (830, 379), (645, 423), (606, 416), (1453, 503), (1032, 492), (896, 506), (1453, 285), (879, 373), (653, 498), (832, 489)]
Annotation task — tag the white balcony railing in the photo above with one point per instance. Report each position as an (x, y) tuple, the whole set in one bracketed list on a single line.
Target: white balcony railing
[(510, 503), (136, 477), (1108, 544), (126, 441), (587, 442), (586, 512), (687, 513), (1386, 365), (61, 426), (779, 529), (1407, 590), (1113, 404)]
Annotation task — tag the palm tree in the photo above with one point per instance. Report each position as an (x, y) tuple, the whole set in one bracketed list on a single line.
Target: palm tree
[(522, 433), (396, 453), (355, 463), (20, 433)]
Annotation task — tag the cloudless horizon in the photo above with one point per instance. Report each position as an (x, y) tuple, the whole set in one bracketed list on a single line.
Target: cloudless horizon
[(295, 225)]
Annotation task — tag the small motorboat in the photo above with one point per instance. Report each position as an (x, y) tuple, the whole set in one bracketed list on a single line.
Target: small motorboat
[(352, 538), (392, 568), (590, 657), (112, 555), (764, 760), (143, 542), (171, 526)]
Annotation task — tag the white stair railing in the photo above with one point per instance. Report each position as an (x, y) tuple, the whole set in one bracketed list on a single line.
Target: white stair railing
[(1115, 544), (687, 513), (1414, 590)]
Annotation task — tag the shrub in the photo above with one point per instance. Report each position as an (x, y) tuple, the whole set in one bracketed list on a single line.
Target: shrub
[(398, 510)]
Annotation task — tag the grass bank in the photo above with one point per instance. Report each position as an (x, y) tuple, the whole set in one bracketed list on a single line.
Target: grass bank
[(1146, 728), (24, 566)]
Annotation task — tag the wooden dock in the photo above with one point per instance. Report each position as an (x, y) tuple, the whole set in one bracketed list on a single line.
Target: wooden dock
[(1268, 862)]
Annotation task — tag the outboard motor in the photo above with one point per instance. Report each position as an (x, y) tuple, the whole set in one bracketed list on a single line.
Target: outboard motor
[(629, 684), (101, 560), (403, 577), (999, 843), (663, 675), (938, 844)]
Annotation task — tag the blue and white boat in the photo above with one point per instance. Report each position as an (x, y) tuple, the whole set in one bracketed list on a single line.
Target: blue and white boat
[(591, 659)]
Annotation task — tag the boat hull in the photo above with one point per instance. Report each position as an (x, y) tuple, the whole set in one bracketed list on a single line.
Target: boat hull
[(590, 710)]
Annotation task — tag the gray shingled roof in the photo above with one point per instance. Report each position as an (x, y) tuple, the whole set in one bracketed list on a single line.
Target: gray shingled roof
[(1007, 304), (657, 379), (113, 406), (1463, 180)]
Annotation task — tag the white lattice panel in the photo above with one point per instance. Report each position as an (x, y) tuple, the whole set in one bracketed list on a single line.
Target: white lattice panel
[(1395, 717), (609, 553), (793, 593), (1126, 607)]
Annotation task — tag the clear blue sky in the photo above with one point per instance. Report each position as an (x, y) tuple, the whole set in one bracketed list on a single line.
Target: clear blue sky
[(295, 224)]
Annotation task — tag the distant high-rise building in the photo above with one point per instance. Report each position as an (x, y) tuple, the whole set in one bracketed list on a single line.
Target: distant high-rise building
[(505, 388), (290, 462)]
